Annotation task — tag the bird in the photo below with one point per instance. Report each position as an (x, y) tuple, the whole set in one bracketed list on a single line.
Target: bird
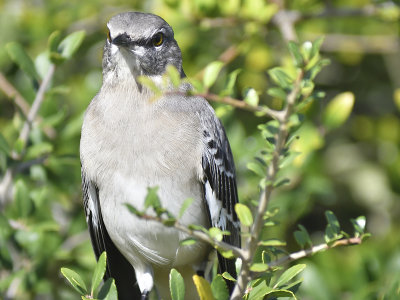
[(132, 141)]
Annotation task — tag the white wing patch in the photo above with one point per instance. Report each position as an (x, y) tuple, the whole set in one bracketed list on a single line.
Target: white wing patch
[(215, 207)]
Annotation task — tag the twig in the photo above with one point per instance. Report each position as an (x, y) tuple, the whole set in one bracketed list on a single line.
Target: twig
[(315, 249), (11, 92), (35, 107), (200, 235), (242, 105), (272, 170)]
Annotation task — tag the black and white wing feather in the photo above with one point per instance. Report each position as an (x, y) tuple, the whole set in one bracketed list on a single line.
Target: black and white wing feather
[(117, 266), (219, 185)]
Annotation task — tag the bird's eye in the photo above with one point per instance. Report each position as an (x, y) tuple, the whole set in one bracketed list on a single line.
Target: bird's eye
[(157, 39), (109, 36)]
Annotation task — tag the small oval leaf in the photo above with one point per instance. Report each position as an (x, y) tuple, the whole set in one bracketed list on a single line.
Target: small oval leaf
[(176, 285), (211, 73), (75, 280), (22, 59), (71, 43), (338, 110), (289, 274), (219, 288), (99, 272), (244, 214), (203, 288)]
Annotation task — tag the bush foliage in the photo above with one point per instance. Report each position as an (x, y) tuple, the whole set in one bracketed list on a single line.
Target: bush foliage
[(343, 135)]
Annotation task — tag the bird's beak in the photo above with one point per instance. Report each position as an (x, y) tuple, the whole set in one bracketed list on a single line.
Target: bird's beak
[(121, 40)]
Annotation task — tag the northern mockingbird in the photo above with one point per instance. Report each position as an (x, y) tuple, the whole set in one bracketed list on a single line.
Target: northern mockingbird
[(131, 142)]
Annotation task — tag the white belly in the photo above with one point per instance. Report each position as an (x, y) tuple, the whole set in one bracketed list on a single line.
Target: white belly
[(143, 241)]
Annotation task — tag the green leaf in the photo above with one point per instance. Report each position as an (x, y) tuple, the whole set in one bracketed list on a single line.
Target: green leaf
[(152, 199), (338, 110), (53, 41), (70, 44), (259, 291), (295, 51), (38, 150), (75, 280), (185, 206), (108, 291), (302, 237), (4, 147), (256, 168), (150, 84), (169, 222), (281, 182), (133, 210), (259, 267), (244, 214), (219, 288), (173, 75), (22, 200), (280, 77), (251, 97), (226, 253), (281, 294), (98, 273), (316, 46), (359, 225), (215, 233), (277, 93), (272, 243), (188, 242), (22, 59), (289, 274), (230, 85), (333, 221), (228, 276), (211, 73), (176, 285)]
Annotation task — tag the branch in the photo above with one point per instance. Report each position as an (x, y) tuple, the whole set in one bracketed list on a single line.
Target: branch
[(242, 105), (272, 170), (11, 92), (35, 108), (198, 234), (315, 249)]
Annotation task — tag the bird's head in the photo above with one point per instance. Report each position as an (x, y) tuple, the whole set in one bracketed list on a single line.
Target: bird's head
[(139, 44)]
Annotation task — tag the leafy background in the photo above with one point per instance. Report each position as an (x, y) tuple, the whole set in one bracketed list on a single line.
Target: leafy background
[(352, 170)]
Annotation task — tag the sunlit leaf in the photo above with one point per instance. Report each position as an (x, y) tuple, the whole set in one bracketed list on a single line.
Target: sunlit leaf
[(152, 199), (219, 288), (75, 280), (188, 242), (98, 272), (259, 267), (289, 274), (216, 233), (185, 206), (280, 77), (251, 97), (70, 44), (211, 73), (228, 276), (244, 214), (173, 75), (108, 291), (203, 288), (295, 52), (176, 285), (338, 110), (272, 243), (22, 59)]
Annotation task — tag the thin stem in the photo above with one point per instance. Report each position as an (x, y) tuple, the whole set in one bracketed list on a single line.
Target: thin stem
[(242, 105), (36, 106), (272, 170), (315, 249)]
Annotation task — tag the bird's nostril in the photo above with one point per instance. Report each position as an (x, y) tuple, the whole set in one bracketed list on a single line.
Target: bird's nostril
[(121, 40)]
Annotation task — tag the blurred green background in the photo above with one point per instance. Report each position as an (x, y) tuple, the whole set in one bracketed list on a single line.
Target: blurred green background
[(352, 170)]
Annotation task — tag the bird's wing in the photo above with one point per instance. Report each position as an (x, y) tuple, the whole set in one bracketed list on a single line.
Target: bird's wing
[(219, 184), (117, 266)]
